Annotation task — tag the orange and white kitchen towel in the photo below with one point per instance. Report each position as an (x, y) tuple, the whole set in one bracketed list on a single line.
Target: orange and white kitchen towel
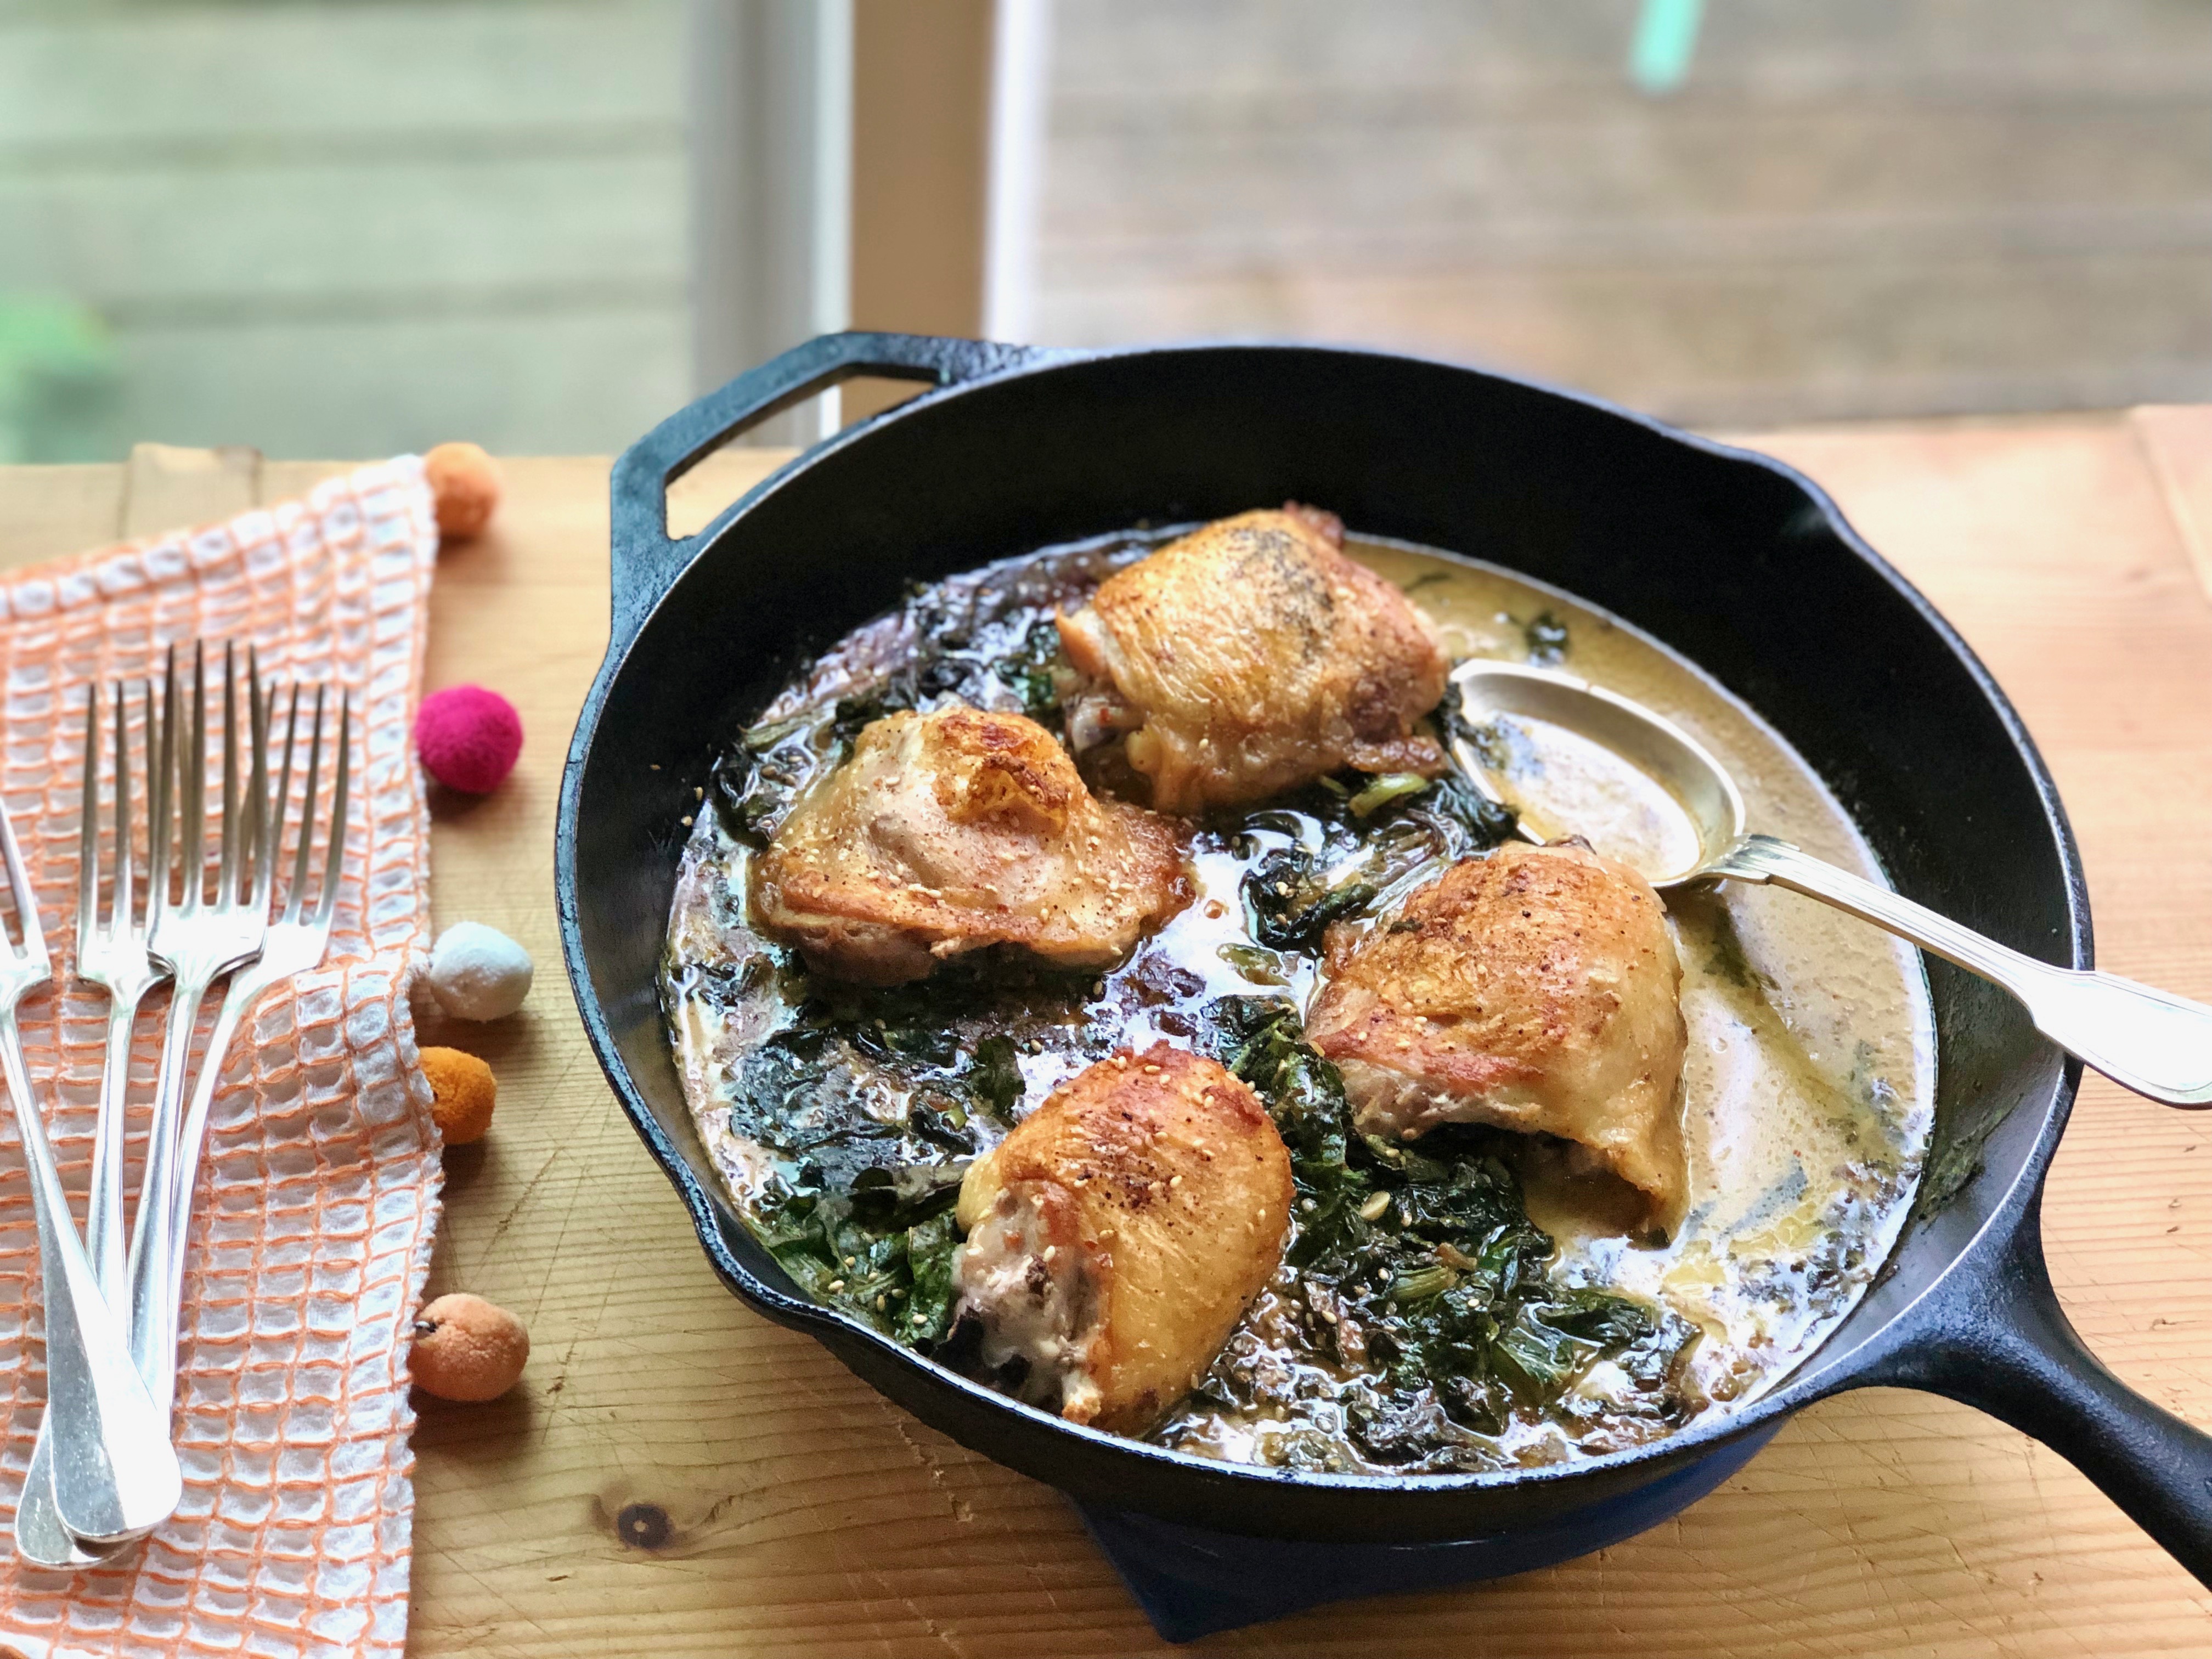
[(318, 1196)]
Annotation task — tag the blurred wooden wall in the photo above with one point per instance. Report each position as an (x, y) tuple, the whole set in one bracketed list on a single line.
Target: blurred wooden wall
[(921, 101)]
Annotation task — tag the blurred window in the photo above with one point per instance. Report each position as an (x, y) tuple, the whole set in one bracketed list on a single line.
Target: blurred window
[(338, 228), (1750, 211), (328, 228)]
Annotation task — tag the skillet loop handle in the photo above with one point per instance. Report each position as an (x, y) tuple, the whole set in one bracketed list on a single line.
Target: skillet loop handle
[(647, 561), (2009, 1349)]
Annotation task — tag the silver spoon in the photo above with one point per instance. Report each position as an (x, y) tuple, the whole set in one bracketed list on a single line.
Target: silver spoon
[(2141, 1038)]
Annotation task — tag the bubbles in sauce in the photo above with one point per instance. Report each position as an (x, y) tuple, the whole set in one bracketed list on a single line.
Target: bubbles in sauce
[(1807, 1084)]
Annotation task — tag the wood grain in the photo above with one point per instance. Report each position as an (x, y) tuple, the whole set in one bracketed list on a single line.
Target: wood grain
[(675, 1474)]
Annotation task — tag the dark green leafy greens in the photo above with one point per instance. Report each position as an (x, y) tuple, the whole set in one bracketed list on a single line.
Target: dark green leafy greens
[(873, 1103), (1423, 1275), (997, 1074), (1340, 855), (885, 1258)]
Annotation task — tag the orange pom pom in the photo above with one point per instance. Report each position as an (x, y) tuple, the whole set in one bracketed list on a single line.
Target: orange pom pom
[(462, 1094), (465, 1348), (465, 483)]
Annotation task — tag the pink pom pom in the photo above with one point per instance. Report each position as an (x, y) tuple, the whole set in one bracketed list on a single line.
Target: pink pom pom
[(468, 737)]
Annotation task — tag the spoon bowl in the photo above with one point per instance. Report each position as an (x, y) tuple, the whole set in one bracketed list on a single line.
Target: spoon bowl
[(2143, 1039), (1699, 788)]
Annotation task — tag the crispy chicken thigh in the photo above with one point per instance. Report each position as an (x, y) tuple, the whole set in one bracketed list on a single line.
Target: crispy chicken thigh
[(954, 830), (1536, 989), (1116, 1237), (1252, 656)]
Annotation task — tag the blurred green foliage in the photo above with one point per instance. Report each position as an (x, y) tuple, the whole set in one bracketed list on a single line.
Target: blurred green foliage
[(60, 382)]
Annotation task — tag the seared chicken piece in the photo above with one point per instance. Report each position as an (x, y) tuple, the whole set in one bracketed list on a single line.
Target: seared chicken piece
[(1250, 657), (1116, 1237), (950, 831), (1536, 989)]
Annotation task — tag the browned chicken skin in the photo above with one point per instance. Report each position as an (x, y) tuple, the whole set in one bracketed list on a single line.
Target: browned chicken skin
[(957, 829), (1116, 1237), (1250, 657), (1536, 989)]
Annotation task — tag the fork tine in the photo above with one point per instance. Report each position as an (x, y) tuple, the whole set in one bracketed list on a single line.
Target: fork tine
[(282, 797), (33, 944), (297, 897), (161, 789), (122, 905), (191, 790), (88, 851), (265, 825), (233, 832), (334, 860)]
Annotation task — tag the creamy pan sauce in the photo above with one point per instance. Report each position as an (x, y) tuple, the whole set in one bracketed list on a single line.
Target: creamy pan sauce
[(1807, 1083)]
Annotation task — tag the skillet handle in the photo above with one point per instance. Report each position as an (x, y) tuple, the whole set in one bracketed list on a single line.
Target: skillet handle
[(646, 560), (2007, 1348)]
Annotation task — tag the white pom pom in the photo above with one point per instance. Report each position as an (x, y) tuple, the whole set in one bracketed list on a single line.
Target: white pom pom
[(477, 972)]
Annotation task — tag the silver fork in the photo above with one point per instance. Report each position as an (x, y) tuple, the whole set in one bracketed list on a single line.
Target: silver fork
[(201, 940), (115, 956), (115, 1475), (295, 942)]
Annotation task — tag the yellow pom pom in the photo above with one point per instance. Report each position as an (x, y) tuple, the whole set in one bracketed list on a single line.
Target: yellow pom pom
[(462, 1093)]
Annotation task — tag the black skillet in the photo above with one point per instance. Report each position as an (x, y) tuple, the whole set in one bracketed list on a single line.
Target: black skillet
[(1732, 559)]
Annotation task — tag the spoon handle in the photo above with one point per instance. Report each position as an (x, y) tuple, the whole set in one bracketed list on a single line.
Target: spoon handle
[(2143, 1039)]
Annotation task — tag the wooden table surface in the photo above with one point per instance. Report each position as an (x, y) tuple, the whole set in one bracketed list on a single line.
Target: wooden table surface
[(806, 1515)]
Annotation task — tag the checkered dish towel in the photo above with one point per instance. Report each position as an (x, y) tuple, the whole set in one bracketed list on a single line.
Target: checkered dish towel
[(318, 1195)]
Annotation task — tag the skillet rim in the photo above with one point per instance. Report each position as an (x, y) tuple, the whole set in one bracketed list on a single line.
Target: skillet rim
[(1819, 1374)]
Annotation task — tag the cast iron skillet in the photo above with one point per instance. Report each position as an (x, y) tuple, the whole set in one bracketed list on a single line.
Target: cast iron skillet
[(1732, 559)]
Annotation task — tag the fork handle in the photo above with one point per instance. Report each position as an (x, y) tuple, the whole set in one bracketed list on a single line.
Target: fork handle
[(40, 1537), (153, 1316), (105, 1239), (115, 1474), (243, 991)]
